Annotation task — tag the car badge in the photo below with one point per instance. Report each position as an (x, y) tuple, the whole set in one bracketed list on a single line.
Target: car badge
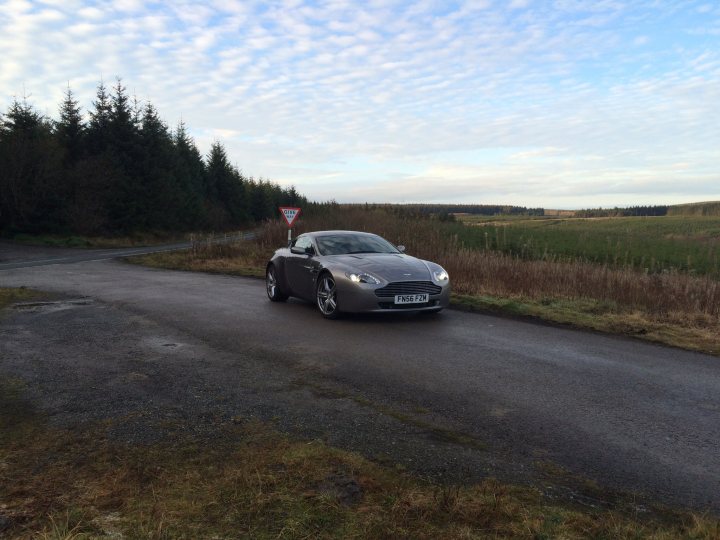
[(407, 274)]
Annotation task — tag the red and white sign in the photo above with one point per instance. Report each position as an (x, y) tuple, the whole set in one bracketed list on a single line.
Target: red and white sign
[(290, 214)]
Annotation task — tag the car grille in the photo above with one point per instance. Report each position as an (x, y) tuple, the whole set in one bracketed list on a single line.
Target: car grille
[(407, 287), (400, 307)]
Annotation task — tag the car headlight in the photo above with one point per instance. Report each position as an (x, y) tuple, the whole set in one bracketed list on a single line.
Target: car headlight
[(440, 275), (362, 277)]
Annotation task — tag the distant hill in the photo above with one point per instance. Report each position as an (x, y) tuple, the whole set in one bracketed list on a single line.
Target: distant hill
[(709, 208)]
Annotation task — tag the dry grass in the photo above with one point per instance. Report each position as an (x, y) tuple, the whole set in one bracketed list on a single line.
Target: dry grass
[(657, 294), (671, 307), (9, 296), (135, 240), (252, 482)]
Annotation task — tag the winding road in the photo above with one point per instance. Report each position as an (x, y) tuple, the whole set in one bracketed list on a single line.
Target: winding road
[(460, 395)]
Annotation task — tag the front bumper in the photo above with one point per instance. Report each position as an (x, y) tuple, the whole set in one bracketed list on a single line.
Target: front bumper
[(361, 298)]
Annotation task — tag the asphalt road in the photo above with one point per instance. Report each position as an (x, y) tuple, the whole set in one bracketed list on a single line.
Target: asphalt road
[(461, 395)]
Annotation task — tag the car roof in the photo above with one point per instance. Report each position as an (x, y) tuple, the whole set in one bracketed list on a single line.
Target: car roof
[(338, 233)]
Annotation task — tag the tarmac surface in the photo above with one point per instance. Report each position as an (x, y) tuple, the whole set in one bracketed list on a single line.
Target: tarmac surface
[(456, 396)]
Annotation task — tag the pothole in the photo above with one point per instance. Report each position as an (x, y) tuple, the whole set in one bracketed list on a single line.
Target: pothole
[(50, 307), (134, 377), (162, 345)]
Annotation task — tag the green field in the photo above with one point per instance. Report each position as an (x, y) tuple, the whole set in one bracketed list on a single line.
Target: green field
[(655, 244)]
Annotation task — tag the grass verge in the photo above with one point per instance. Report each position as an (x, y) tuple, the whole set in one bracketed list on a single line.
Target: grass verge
[(253, 482), (9, 296), (241, 264), (75, 241), (699, 335)]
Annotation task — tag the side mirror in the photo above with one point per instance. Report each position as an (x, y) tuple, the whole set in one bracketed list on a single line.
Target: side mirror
[(401, 248), (302, 251)]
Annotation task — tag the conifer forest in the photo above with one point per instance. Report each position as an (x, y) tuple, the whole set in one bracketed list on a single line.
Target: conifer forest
[(119, 169)]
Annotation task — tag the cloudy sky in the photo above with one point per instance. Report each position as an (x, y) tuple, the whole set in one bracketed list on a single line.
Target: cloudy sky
[(561, 104)]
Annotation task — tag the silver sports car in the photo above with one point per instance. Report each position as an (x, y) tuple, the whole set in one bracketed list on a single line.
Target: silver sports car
[(347, 271)]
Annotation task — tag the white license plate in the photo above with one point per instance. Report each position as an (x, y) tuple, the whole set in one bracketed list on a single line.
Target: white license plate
[(412, 298)]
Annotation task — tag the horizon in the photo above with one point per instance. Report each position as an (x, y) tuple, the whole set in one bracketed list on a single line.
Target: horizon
[(559, 105)]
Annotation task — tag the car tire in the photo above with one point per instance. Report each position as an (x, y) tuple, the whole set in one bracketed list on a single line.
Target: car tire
[(272, 286), (326, 296)]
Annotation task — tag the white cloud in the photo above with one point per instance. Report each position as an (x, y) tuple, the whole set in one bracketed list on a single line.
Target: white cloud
[(91, 12)]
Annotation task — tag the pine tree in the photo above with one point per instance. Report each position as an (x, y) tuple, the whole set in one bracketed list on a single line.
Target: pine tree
[(123, 128), (70, 129), (128, 207), (226, 190), (190, 175), (70, 133), (31, 196), (261, 199), (99, 126), (165, 198)]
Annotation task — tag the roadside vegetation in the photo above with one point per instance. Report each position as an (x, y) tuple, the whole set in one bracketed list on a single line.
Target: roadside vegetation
[(12, 295), (665, 305), (109, 242), (253, 482)]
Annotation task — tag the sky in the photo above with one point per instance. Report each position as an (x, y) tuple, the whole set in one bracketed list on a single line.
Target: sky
[(555, 104)]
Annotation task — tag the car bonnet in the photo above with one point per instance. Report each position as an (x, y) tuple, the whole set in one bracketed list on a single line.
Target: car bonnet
[(388, 266)]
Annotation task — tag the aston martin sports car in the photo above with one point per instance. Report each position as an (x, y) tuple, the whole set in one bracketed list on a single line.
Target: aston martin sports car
[(351, 272)]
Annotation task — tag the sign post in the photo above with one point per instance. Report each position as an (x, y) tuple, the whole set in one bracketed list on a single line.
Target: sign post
[(290, 215)]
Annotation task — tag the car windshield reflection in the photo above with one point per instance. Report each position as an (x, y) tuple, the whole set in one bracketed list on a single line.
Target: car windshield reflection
[(347, 244)]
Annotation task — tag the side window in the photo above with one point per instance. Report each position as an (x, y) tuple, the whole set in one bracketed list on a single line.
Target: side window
[(303, 242)]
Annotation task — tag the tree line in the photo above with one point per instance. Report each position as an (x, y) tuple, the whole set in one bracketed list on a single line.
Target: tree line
[(443, 209), (623, 212), (120, 171), (476, 209)]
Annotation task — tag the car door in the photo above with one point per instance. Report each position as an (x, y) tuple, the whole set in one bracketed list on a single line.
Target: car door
[(302, 268)]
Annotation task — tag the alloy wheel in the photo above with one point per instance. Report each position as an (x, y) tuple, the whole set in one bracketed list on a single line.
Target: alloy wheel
[(272, 287), (327, 296)]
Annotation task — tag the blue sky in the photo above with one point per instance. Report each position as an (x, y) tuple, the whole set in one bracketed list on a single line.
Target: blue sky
[(561, 104)]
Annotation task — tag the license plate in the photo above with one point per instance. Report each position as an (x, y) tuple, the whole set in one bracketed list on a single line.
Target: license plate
[(412, 298)]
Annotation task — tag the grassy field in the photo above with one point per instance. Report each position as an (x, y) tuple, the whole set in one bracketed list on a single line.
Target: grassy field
[(252, 482), (651, 244)]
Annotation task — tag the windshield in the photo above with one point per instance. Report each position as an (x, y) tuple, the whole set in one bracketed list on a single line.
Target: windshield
[(345, 244)]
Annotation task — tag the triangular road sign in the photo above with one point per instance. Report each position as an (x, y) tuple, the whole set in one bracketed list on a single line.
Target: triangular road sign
[(290, 214)]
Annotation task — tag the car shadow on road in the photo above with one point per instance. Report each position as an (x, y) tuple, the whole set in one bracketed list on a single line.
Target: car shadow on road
[(391, 317)]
